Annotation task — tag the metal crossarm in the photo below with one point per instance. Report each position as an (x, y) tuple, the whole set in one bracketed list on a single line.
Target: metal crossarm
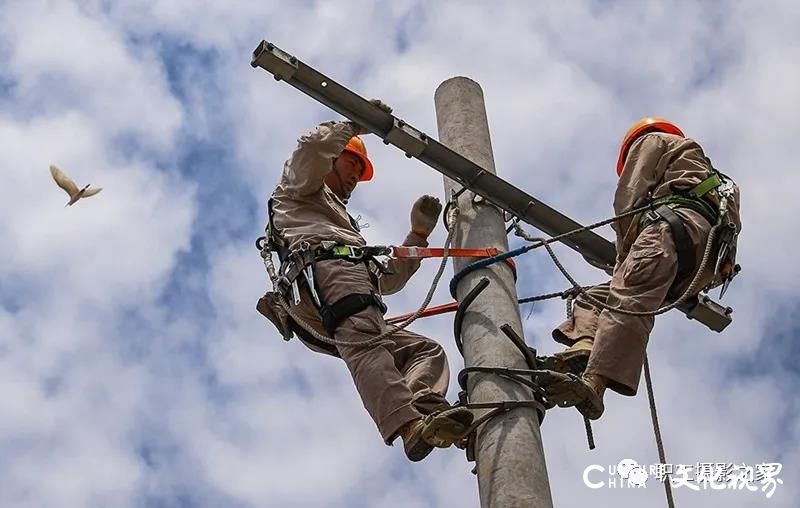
[(595, 249), (417, 144)]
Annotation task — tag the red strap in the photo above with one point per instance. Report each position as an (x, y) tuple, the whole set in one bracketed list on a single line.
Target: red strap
[(430, 311), (428, 252), (408, 252)]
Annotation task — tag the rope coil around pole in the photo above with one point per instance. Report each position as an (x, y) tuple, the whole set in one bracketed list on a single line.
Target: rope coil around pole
[(458, 319), (691, 289), (521, 376)]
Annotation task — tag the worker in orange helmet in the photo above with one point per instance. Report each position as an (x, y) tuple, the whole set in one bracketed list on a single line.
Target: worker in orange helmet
[(658, 255), (335, 285)]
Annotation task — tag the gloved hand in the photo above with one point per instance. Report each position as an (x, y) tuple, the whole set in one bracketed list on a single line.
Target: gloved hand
[(359, 130), (424, 215)]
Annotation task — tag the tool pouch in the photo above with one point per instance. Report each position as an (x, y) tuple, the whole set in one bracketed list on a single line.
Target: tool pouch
[(269, 307)]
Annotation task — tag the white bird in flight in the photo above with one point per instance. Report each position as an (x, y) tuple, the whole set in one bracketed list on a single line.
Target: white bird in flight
[(69, 186)]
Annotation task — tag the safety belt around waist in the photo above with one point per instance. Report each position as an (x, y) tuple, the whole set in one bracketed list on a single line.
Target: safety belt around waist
[(683, 242)]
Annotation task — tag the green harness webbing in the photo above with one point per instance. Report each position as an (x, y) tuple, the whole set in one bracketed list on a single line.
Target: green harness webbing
[(296, 262), (693, 199)]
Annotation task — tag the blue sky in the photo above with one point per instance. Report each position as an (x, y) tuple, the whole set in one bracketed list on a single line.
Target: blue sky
[(134, 369)]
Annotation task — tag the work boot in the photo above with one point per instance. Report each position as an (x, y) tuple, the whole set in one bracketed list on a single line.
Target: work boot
[(414, 444), (574, 358), (440, 429), (567, 390), (593, 407), (448, 427)]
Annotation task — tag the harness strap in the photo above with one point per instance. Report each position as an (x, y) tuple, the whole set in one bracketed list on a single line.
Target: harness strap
[(706, 186), (693, 199), (683, 242), (353, 253), (273, 238), (699, 205), (334, 314)]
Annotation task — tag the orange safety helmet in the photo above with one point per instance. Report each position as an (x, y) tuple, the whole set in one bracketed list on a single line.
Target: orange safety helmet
[(356, 147), (640, 128)]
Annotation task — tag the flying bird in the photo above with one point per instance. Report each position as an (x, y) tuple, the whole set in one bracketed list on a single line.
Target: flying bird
[(70, 188)]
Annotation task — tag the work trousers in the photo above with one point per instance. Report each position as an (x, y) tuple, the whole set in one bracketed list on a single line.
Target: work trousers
[(640, 282), (400, 378)]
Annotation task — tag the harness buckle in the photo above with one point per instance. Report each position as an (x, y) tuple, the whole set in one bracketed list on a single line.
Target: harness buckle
[(726, 187), (351, 252), (356, 253)]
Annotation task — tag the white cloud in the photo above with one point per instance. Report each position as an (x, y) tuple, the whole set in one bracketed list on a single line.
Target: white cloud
[(64, 60), (121, 324)]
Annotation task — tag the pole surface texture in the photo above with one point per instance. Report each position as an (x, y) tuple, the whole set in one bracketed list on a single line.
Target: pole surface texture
[(509, 455)]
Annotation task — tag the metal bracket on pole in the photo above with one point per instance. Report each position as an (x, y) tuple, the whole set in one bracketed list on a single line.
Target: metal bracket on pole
[(407, 138), (598, 251)]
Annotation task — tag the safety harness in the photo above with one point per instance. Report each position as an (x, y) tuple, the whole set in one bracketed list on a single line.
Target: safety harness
[(297, 267), (696, 199)]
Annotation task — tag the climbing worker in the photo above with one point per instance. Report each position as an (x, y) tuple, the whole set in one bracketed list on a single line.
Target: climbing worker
[(659, 253), (333, 283)]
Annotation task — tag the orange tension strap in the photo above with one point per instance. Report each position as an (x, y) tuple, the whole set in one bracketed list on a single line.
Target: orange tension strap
[(437, 252), (430, 311)]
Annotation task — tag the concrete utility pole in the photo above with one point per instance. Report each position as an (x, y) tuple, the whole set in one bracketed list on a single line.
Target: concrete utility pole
[(508, 453)]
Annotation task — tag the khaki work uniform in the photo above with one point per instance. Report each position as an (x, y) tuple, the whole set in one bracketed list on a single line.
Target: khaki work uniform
[(647, 260), (402, 377)]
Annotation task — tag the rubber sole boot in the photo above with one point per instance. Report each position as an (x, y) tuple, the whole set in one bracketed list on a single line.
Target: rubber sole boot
[(568, 390), (446, 428), (573, 359), (415, 446)]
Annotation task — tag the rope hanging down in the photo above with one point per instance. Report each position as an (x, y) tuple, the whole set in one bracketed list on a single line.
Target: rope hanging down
[(648, 379), (657, 430), (518, 375), (526, 377)]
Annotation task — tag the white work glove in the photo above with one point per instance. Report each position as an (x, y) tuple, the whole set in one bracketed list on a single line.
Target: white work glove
[(358, 129), (424, 215)]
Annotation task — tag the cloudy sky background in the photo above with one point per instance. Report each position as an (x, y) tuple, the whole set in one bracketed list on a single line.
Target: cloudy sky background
[(134, 369)]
